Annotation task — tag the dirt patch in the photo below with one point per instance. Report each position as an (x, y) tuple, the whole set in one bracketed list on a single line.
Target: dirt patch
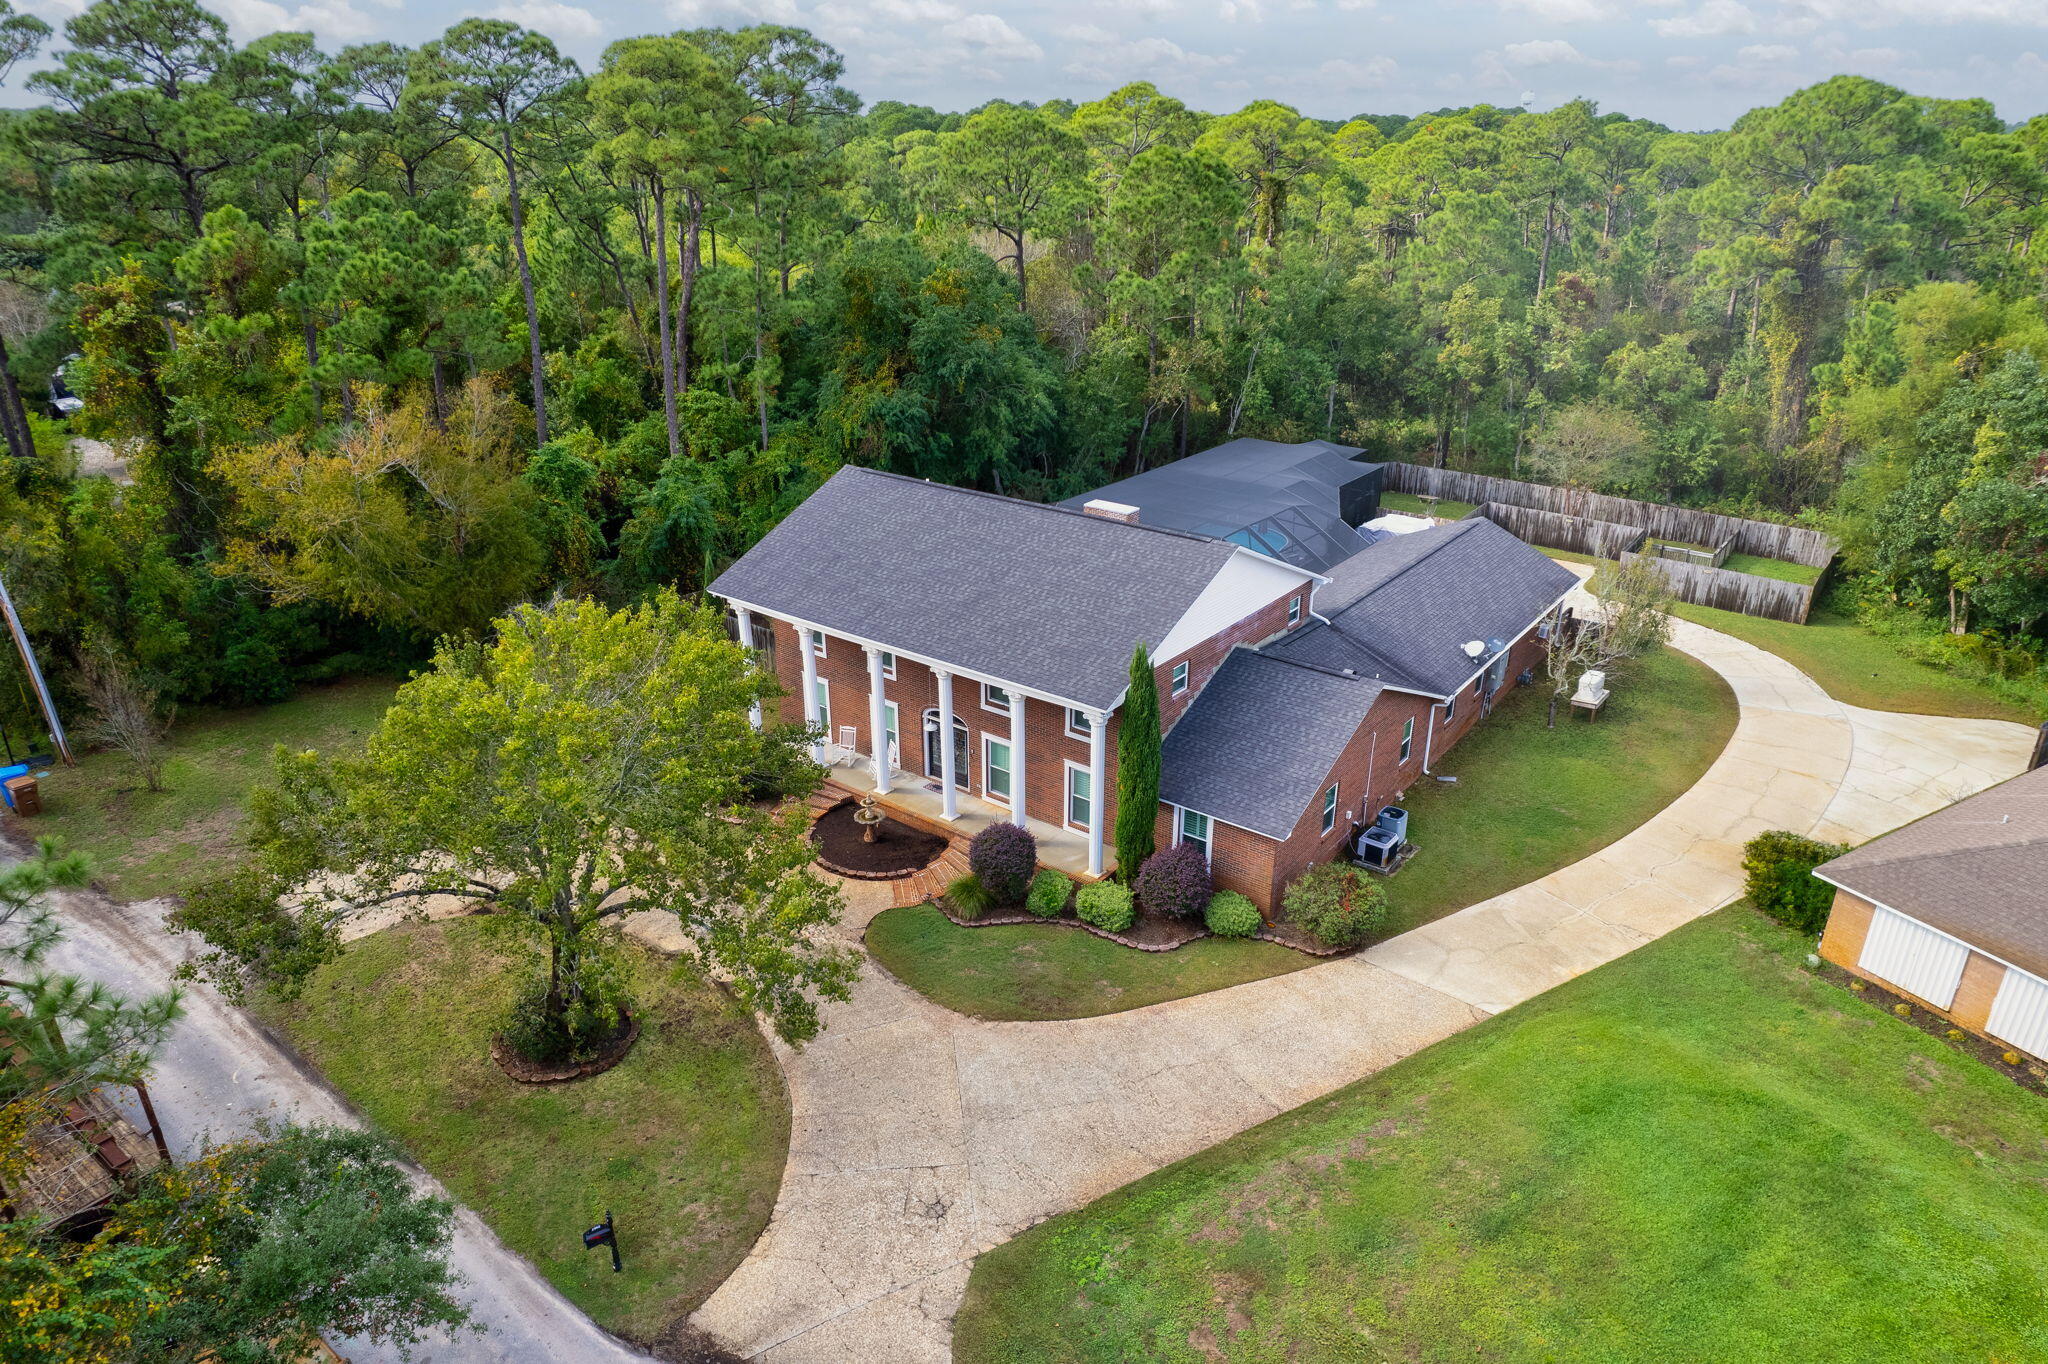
[(682, 1343), (898, 850)]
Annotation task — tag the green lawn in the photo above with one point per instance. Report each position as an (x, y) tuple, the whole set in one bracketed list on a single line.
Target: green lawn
[(1412, 505), (1700, 1152), (143, 843), (1031, 971), (684, 1140), (1530, 800), (1782, 570), (1853, 664)]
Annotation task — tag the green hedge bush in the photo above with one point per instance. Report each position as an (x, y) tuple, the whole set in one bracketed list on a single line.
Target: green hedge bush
[(1338, 906), (1778, 877), (1106, 905), (1231, 915), (1050, 891)]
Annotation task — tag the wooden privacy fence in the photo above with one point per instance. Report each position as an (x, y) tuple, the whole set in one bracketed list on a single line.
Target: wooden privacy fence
[(1579, 534), (1750, 593), (1765, 539), (1692, 554)]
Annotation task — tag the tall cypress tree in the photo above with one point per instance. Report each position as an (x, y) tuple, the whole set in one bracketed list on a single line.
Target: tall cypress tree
[(1137, 767)]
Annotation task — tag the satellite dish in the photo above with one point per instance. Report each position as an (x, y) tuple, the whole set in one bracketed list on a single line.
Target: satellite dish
[(1475, 648)]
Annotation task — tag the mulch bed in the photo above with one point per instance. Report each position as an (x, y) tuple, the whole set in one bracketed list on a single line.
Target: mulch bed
[(2027, 1074), (1151, 933), (898, 850), (557, 1072)]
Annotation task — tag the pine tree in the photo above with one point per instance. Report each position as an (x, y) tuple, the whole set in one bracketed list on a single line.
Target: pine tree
[(1137, 767)]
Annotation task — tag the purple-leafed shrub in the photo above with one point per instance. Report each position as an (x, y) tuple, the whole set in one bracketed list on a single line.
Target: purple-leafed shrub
[(1175, 882), (1004, 857)]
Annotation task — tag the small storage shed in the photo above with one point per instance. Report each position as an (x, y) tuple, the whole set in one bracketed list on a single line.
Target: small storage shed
[(1952, 910)]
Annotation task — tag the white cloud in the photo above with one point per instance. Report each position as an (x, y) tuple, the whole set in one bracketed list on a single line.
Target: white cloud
[(1088, 35), (708, 12), (1568, 11), (1542, 52), (1714, 19), (552, 17), (2032, 66), (1767, 52), (1374, 73), (993, 38), (1881, 13), (1876, 56), (1113, 62), (1351, 5), (1243, 12), (917, 11), (334, 20)]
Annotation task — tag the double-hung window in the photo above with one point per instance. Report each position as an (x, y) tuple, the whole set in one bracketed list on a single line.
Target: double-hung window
[(1077, 724), (1180, 677), (1330, 808), (1407, 739), (1080, 796), (995, 768), (995, 698), (1294, 610), (1194, 828)]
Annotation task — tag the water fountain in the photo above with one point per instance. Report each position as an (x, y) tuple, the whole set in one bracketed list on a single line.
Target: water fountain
[(867, 816)]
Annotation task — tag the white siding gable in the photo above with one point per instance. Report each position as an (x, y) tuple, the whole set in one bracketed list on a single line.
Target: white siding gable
[(1914, 957), (1243, 585), (2019, 1014)]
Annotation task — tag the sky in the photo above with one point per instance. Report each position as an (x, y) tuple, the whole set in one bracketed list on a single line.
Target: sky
[(1691, 64)]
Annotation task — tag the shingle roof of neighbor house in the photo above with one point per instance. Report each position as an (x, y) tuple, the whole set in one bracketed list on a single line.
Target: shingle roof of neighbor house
[(1977, 870), (1403, 610), (1047, 598), (1258, 741)]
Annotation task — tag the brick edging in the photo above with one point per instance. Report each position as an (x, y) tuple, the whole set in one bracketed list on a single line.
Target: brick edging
[(991, 920), (1264, 935)]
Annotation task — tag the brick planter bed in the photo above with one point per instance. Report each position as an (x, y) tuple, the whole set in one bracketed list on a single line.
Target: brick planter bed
[(553, 1073), (899, 850), (2027, 1074)]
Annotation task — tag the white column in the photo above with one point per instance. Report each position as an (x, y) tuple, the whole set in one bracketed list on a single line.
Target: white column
[(950, 800), (810, 657), (1098, 799), (1018, 814), (878, 720), (746, 619)]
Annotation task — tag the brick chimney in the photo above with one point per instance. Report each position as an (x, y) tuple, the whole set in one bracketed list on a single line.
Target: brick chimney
[(1111, 511)]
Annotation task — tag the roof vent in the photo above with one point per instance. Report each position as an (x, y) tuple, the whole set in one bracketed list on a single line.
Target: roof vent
[(1110, 511), (1475, 649)]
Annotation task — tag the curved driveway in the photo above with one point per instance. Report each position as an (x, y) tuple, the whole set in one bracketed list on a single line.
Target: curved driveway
[(921, 1138)]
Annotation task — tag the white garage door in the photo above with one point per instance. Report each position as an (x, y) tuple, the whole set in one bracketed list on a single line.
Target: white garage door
[(2019, 1014), (1913, 957)]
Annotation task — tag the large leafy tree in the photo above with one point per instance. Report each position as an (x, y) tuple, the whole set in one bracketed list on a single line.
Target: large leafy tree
[(1011, 171), (587, 765)]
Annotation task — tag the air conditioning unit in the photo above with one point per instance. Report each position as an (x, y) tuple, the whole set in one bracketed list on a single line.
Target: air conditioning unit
[(1395, 821), (1377, 848)]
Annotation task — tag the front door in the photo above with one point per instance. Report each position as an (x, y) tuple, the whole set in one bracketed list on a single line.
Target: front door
[(934, 764)]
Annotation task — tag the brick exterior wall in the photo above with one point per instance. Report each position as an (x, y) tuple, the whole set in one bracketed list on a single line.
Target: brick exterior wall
[(1842, 943), (1206, 657)]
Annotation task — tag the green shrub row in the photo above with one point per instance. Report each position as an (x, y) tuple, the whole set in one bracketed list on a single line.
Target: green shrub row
[(1050, 891), (1231, 915), (1106, 905)]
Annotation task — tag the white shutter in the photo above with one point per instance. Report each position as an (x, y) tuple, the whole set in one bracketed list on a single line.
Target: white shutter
[(2019, 1014), (1913, 957)]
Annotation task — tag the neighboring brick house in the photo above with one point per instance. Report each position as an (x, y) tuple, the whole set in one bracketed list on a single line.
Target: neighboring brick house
[(896, 610), (1952, 910)]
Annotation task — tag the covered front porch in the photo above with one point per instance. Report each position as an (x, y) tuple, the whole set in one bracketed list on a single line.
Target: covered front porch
[(922, 799)]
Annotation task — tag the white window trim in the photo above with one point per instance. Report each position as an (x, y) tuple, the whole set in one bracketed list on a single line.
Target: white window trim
[(888, 665), (824, 704), (990, 688), (1179, 678), (1073, 733), (895, 731), (818, 643), (1331, 802), (1450, 705), (1407, 738), (989, 742), (1294, 610), (1067, 798), (1180, 832)]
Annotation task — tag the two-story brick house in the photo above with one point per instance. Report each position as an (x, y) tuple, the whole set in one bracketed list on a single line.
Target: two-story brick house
[(897, 611)]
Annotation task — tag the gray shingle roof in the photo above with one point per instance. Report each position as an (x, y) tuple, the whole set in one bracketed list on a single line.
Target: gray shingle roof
[(1402, 610), (1050, 599), (1977, 870), (1255, 747)]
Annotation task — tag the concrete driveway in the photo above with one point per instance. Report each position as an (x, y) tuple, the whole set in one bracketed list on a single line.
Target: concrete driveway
[(220, 1073), (921, 1138)]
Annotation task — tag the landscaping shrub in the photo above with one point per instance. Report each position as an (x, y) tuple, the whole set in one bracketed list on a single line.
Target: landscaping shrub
[(1338, 906), (1176, 882), (1107, 906), (970, 897), (1004, 856), (582, 1031), (1050, 891), (1779, 880), (1231, 915)]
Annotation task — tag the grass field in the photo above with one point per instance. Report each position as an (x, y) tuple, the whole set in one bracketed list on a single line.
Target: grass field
[(1781, 569), (1412, 505), (145, 843), (1699, 1152), (1530, 800), (684, 1140), (1025, 971)]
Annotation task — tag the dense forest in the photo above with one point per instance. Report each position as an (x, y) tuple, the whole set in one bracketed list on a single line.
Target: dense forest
[(387, 339)]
